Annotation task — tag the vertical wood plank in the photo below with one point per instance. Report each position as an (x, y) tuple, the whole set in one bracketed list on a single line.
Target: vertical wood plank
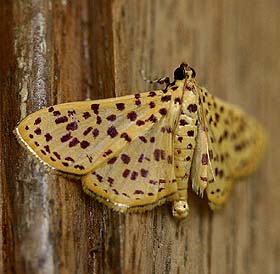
[(58, 51)]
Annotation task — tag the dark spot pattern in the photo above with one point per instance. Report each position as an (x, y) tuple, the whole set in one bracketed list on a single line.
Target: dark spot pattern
[(138, 191), (51, 109), (57, 155), (86, 115), (72, 126), (166, 98), (95, 132), (126, 173), (95, 108), (152, 94), (132, 116), (134, 175), (111, 117), (190, 133), (120, 106), (47, 148), (56, 113), (62, 119), (37, 121), (152, 104), (48, 137), (74, 142), (87, 131), (126, 137), (38, 131), (204, 159), (141, 158), (143, 139), (192, 107), (66, 137), (163, 111), (152, 139), (140, 123), (69, 159), (112, 132), (84, 144), (144, 172), (112, 160), (98, 120), (125, 158)]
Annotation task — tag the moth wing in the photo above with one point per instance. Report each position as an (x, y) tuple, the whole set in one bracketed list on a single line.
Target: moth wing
[(141, 175), (77, 137), (235, 144)]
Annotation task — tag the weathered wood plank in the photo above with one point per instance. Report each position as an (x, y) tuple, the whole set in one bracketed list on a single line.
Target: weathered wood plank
[(58, 51)]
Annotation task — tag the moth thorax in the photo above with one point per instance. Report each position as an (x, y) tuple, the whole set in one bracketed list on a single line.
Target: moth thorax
[(180, 209)]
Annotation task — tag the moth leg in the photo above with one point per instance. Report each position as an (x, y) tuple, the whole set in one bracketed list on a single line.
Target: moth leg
[(217, 193), (161, 81)]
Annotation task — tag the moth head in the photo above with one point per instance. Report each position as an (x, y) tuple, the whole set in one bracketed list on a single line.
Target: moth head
[(184, 72), (180, 209)]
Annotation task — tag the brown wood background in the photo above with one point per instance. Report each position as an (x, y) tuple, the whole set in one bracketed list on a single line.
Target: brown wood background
[(60, 51)]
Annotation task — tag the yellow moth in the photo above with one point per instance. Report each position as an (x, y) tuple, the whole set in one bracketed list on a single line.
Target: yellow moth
[(138, 151)]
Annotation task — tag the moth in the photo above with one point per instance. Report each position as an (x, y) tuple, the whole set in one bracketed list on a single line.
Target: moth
[(136, 152)]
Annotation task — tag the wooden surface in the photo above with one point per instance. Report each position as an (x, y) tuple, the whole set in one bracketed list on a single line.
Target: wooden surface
[(60, 51)]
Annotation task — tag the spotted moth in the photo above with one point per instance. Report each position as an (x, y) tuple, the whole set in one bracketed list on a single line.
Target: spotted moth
[(138, 151)]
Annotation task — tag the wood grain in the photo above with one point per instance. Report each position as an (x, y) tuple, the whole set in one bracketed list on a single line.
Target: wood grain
[(60, 51)]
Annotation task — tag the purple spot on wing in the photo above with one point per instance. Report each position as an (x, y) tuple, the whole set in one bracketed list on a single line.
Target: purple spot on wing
[(84, 144), (183, 122), (143, 139), (98, 120), (192, 108), (134, 175), (163, 111), (108, 152), (152, 118), (51, 109), (65, 164), (95, 132), (137, 102), (110, 180), (112, 160), (69, 159), (74, 142), (26, 127), (79, 167), (152, 104), (43, 151), (126, 137), (120, 106), (132, 116), (56, 113), (37, 144), (47, 148), (190, 133), (57, 155), (72, 126), (177, 100), (144, 172), (61, 119), (166, 98), (153, 182), (140, 123), (86, 115), (99, 178), (116, 192), (111, 117), (204, 159), (169, 159), (48, 137), (37, 121), (38, 131), (152, 139), (152, 94), (71, 112), (87, 131), (31, 136), (66, 137), (157, 154), (162, 154), (112, 132), (126, 173), (137, 96), (141, 158), (95, 108), (138, 192), (125, 158)]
